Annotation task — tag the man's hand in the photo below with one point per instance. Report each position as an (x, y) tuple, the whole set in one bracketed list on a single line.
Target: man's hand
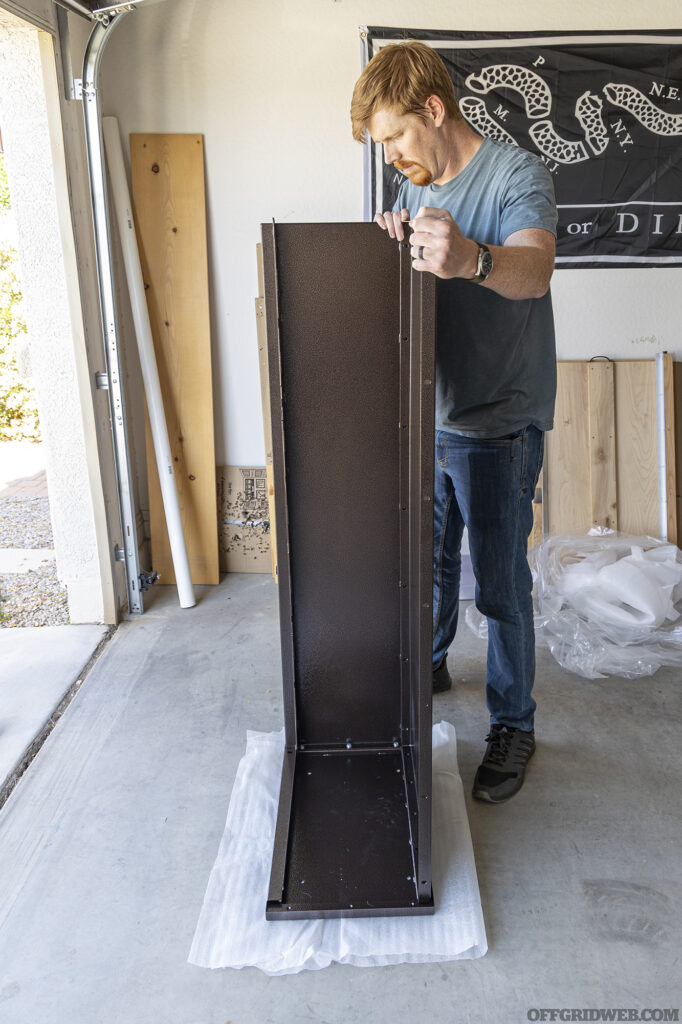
[(393, 222), (439, 246), (522, 266)]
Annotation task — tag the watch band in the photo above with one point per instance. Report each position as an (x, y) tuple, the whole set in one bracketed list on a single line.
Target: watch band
[(485, 263)]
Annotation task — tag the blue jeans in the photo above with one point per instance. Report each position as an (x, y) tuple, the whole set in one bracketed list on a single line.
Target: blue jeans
[(488, 485)]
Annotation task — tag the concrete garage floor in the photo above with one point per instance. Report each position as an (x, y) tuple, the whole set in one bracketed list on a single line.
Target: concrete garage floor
[(40, 666), (107, 842)]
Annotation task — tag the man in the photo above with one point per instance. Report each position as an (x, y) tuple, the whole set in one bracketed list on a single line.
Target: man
[(484, 222)]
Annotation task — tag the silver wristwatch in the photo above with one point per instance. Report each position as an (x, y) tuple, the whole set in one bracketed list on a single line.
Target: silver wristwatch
[(485, 263)]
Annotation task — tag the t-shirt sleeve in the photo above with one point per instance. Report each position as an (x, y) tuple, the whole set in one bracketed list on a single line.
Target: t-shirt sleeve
[(528, 200)]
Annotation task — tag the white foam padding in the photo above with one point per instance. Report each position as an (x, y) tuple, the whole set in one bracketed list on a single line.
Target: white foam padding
[(232, 930)]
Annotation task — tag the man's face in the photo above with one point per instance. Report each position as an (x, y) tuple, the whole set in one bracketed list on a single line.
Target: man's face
[(408, 143)]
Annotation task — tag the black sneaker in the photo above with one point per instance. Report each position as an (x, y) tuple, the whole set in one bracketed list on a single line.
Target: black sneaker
[(441, 676), (500, 774)]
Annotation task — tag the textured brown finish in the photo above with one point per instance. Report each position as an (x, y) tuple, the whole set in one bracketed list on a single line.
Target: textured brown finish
[(351, 360)]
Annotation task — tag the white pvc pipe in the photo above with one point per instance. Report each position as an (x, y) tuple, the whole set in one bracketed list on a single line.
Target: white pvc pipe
[(150, 373), (662, 462)]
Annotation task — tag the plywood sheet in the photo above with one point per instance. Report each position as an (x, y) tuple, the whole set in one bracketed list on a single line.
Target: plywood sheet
[(636, 444), (265, 398), (170, 219), (677, 378), (536, 533), (670, 445), (567, 483), (602, 428), (601, 465)]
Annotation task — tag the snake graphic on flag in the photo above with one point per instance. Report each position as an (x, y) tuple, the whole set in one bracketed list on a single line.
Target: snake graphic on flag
[(538, 101)]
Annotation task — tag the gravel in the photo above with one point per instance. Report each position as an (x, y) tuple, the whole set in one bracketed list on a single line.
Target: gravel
[(25, 523), (34, 598)]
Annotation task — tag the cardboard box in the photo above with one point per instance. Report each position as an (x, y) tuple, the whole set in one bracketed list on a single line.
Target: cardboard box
[(243, 519)]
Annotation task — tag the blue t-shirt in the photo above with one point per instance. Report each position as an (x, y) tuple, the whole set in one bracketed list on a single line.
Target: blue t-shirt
[(495, 357)]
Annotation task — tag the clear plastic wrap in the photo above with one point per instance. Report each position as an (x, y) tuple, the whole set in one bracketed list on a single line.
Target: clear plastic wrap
[(605, 603)]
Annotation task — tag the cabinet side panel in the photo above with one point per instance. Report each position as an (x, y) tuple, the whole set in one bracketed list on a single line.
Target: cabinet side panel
[(339, 348)]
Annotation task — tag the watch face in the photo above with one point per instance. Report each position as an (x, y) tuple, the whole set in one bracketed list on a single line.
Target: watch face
[(485, 263)]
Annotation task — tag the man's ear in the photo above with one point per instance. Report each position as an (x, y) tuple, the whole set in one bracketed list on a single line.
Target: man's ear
[(435, 108)]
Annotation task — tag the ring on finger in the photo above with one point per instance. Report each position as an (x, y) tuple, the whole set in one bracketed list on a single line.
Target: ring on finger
[(420, 252)]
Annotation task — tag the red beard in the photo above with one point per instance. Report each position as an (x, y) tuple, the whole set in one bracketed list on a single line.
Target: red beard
[(417, 174)]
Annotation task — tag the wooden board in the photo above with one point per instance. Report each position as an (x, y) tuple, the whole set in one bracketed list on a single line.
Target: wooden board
[(536, 533), (636, 444), (567, 491), (170, 219), (265, 399), (677, 381), (670, 445), (601, 465), (602, 429)]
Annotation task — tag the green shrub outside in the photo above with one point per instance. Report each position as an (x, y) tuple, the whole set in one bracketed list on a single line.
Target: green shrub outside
[(18, 409)]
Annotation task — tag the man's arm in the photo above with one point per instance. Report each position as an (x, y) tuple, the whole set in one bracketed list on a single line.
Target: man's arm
[(522, 267)]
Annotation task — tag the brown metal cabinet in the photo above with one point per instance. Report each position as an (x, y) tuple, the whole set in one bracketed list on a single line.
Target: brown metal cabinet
[(351, 333)]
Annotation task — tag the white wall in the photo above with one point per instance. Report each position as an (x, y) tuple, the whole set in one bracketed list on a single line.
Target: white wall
[(268, 83)]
